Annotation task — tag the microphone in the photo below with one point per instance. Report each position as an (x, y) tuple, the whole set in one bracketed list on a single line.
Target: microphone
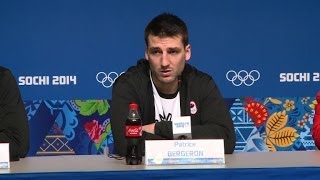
[(181, 127), (181, 137)]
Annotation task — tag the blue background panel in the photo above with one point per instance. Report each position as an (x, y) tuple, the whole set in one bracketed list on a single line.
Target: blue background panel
[(83, 38)]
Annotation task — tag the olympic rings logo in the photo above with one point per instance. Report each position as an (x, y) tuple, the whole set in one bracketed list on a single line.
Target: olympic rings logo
[(243, 77), (107, 80)]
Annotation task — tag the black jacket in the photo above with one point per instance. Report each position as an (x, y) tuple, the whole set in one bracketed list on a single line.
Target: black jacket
[(14, 127), (212, 120)]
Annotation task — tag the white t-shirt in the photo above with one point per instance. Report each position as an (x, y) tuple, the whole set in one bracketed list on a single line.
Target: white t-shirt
[(165, 108)]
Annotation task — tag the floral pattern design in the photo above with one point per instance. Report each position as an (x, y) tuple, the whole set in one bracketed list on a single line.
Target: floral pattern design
[(287, 128)]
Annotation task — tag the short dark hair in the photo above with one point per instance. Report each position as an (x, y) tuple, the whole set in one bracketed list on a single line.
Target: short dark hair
[(167, 25)]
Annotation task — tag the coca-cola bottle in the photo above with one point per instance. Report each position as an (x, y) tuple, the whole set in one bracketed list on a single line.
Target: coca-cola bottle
[(133, 136)]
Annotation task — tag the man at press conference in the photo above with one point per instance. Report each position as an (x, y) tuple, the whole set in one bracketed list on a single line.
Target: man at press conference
[(14, 127), (165, 86)]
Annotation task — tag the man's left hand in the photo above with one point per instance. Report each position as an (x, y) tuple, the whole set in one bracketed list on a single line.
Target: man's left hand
[(149, 128)]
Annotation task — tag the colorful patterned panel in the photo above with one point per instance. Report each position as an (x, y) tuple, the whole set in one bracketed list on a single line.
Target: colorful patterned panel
[(83, 127), (273, 124)]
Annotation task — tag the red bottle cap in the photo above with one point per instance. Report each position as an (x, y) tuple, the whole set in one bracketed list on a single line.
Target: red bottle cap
[(133, 106)]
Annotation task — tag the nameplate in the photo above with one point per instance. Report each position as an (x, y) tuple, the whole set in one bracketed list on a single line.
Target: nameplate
[(202, 151), (181, 127), (4, 156)]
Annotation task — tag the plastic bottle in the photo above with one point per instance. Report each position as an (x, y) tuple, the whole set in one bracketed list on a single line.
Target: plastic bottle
[(133, 136)]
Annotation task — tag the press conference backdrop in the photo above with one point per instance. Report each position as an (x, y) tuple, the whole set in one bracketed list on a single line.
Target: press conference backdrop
[(66, 55)]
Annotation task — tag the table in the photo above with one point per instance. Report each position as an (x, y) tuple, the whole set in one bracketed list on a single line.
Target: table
[(246, 165)]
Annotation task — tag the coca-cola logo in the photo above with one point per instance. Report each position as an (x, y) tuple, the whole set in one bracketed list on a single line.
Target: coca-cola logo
[(133, 131)]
